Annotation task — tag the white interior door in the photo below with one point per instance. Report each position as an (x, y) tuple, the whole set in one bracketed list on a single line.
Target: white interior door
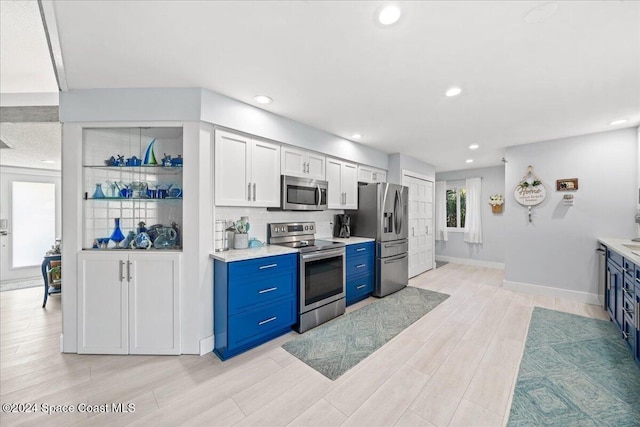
[(421, 256)]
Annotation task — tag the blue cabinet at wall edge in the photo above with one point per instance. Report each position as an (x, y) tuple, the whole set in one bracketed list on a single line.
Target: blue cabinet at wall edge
[(254, 302), (360, 271)]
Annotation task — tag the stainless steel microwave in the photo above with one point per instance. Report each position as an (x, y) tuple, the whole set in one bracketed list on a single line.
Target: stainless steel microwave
[(302, 194)]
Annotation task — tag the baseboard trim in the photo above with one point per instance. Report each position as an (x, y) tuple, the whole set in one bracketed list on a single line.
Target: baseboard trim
[(548, 291), (469, 261), (206, 345)]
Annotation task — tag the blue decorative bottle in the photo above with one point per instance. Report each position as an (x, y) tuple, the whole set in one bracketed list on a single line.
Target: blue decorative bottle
[(98, 194), (117, 235)]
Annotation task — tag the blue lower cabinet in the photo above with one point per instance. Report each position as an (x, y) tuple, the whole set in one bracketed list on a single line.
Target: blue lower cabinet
[(636, 300), (254, 301), (360, 271)]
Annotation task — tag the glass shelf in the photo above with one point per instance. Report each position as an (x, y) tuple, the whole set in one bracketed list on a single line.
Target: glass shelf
[(137, 169), (124, 199)]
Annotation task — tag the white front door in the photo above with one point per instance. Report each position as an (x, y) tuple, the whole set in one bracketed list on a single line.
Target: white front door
[(421, 256)]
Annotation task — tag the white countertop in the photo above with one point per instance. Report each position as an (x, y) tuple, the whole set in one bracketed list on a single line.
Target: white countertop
[(251, 253), (616, 245), (353, 240)]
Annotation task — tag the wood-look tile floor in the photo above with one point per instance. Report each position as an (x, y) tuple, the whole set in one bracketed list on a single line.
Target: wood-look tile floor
[(454, 367)]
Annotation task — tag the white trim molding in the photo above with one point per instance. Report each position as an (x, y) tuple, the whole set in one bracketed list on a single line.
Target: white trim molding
[(548, 291), (206, 345), (469, 261), (47, 11)]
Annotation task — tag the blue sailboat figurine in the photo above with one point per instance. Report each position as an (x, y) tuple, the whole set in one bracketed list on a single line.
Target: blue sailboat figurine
[(149, 155)]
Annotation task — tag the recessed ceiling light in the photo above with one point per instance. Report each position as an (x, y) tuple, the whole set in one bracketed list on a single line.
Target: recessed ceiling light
[(618, 122), (356, 136), (453, 91), (48, 161), (469, 160), (262, 99), (541, 13), (389, 14), (474, 147)]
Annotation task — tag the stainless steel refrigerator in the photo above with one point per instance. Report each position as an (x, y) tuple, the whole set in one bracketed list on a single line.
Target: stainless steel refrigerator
[(383, 215)]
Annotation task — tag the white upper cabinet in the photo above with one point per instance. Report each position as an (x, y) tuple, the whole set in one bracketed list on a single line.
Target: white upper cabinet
[(301, 163), (342, 178), (371, 175), (246, 171)]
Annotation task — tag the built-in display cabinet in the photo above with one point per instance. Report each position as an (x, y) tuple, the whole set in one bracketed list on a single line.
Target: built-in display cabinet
[(132, 176)]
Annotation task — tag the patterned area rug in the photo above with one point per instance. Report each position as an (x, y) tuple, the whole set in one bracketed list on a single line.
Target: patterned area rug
[(338, 345), (575, 371)]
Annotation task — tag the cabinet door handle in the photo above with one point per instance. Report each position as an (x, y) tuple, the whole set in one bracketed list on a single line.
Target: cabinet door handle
[(129, 271), (264, 291), (121, 270), (254, 192), (361, 265), (361, 249), (627, 310), (262, 267), (375, 176), (412, 232), (249, 192), (637, 316), (360, 287), (271, 319), (609, 280)]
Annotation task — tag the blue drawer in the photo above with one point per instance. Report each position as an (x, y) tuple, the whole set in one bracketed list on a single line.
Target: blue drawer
[(360, 265), (628, 268), (359, 249), (359, 288), (255, 324), (248, 291), (628, 288), (615, 257), (263, 266)]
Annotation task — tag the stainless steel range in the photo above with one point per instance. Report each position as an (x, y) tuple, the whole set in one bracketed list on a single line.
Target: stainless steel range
[(322, 272)]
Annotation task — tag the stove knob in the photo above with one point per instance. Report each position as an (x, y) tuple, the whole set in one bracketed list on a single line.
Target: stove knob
[(311, 227), (306, 227)]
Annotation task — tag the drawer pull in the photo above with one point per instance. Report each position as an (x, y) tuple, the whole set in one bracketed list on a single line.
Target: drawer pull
[(361, 265), (262, 267), (271, 319), (624, 269), (361, 286), (626, 291), (264, 291), (637, 279), (625, 335), (628, 311), (361, 249)]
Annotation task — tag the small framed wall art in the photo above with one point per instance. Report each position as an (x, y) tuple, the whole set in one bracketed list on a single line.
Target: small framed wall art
[(567, 184)]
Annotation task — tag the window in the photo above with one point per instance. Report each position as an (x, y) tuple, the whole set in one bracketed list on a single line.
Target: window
[(456, 206)]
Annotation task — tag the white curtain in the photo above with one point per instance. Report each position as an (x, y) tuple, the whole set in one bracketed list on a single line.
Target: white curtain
[(441, 210), (473, 223)]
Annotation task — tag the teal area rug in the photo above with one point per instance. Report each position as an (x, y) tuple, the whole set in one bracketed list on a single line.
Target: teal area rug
[(338, 345), (575, 371)]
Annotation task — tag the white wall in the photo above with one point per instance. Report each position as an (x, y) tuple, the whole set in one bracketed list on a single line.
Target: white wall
[(492, 248), (227, 112), (399, 163), (8, 175), (557, 249)]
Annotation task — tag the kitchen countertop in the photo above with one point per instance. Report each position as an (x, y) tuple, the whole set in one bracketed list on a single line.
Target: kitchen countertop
[(251, 253), (616, 245), (353, 240)]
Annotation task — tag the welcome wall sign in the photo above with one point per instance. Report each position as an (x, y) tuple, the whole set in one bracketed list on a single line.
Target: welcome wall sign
[(530, 190)]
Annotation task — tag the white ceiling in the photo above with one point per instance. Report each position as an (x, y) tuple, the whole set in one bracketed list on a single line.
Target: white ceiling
[(32, 143), (329, 65)]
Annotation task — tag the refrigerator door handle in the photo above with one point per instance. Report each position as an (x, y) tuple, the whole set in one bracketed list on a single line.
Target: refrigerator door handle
[(392, 260)]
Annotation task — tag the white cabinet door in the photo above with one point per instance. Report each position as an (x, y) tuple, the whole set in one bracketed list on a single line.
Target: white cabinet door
[(334, 184), (316, 166), (371, 175), (154, 303), (421, 255), (342, 179), (293, 162), (102, 303), (350, 185), (301, 163), (232, 174), (265, 176)]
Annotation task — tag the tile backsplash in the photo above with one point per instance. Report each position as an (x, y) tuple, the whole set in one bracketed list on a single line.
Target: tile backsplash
[(260, 217)]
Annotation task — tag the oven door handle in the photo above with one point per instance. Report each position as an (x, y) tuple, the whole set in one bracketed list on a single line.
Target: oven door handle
[(323, 254)]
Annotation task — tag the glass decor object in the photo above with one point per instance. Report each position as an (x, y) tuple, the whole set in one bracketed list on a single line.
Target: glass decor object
[(117, 235), (149, 155), (98, 194)]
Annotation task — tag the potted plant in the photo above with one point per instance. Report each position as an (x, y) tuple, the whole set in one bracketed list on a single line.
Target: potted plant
[(496, 201)]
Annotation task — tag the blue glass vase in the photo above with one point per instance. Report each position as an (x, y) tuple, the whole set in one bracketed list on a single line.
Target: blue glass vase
[(117, 235), (98, 194)]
